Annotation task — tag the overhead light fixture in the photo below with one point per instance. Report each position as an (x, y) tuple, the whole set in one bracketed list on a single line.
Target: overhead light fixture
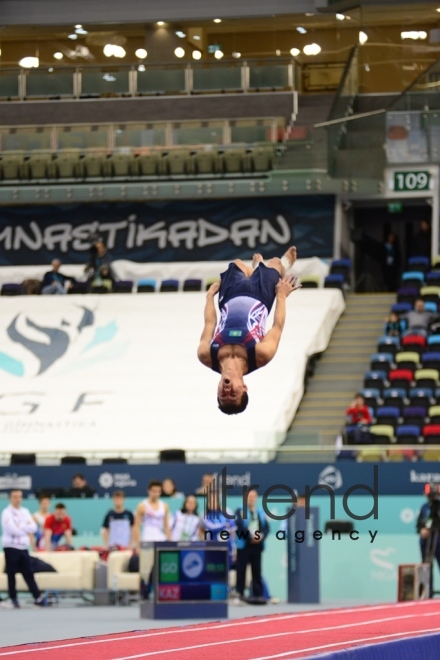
[(438, 9), (141, 67), (217, 20), (197, 55), (73, 36), (141, 53), (81, 31), (78, 27), (312, 49), (50, 69), (218, 54), (196, 37), (308, 13), (108, 77), (277, 52), (340, 17), (160, 23), (180, 34), (111, 50), (414, 34), (295, 51), (236, 55), (363, 38), (29, 62), (301, 30), (58, 55), (179, 52)]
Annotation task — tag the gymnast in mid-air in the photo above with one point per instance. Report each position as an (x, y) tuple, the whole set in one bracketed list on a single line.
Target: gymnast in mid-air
[(238, 344)]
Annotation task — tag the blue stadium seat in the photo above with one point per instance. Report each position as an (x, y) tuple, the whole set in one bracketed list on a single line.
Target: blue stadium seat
[(414, 415), (401, 308), (388, 415), (375, 379), (389, 344), (341, 267), (430, 307), (11, 289), (434, 341), (433, 278), (123, 286), (371, 396), (192, 285), (422, 397), (407, 294), (334, 282), (407, 434), (146, 286), (394, 397), (381, 362), (169, 285), (419, 264), (413, 278), (431, 361)]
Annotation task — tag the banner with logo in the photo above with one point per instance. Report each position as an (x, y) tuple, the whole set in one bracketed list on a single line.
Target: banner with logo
[(184, 230)]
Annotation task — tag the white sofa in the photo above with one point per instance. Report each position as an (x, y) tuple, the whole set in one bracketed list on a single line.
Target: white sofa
[(118, 577), (75, 571)]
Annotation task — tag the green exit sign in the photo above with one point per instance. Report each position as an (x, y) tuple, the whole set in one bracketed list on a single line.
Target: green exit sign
[(411, 181)]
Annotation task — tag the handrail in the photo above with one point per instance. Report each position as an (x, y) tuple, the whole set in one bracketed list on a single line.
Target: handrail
[(342, 120), (413, 84), (351, 57)]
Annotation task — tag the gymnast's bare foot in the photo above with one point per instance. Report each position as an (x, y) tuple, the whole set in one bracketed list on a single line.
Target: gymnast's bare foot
[(256, 259), (290, 255)]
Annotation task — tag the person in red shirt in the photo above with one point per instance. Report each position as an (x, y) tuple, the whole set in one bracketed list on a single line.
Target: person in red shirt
[(358, 414), (57, 525)]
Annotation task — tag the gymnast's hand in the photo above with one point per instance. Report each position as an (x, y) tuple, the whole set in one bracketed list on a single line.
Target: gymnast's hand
[(214, 288), (287, 285)]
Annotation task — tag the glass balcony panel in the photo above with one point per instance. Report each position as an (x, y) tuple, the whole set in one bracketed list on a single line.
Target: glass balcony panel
[(45, 83), (139, 136), (105, 82), (269, 76), (161, 81), (217, 79), (9, 84), (87, 137), (26, 139)]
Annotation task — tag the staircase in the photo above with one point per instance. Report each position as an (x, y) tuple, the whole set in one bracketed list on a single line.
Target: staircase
[(338, 375)]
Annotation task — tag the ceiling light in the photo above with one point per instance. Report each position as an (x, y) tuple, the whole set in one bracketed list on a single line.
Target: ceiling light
[(295, 51), (113, 50), (438, 9), (50, 69), (141, 53), (141, 67), (179, 52), (180, 34), (108, 77), (277, 52), (340, 17), (196, 37), (413, 34), (58, 55), (312, 49), (217, 20), (363, 38), (29, 62), (309, 14), (197, 55), (236, 54), (218, 54), (73, 36), (301, 30), (78, 27), (81, 31), (160, 23)]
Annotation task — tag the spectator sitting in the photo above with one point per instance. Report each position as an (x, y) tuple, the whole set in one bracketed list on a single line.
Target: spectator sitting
[(80, 487), (57, 525), (40, 518), (419, 317), (99, 269), (118, 525), (206, 480), (186, 522), (393, 325), (359, 416), (169, 489), (54, 283)]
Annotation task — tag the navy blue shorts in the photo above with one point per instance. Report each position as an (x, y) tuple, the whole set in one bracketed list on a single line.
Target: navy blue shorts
[(261, 285)]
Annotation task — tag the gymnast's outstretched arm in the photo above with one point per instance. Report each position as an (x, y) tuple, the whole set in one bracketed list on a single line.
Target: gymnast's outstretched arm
[(210, 315)]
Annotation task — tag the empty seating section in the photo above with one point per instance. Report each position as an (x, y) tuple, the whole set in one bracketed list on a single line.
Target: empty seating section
[(402, 385)]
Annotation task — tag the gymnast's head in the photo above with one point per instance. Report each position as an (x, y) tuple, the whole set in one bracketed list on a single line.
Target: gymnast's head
[(232, 396)]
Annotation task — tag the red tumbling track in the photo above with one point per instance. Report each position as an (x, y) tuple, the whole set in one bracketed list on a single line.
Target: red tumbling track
[(298, 635)]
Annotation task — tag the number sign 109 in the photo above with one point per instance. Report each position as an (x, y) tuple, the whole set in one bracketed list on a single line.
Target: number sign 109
[(411, 181)]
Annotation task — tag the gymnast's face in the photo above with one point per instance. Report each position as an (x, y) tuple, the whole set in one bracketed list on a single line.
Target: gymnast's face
[(231, 389)]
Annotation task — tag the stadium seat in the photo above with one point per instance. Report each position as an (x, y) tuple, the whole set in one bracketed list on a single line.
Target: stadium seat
[(218, 162), (431, 434), (434, 341), (388, 345), (163, 164), (435, 262), (11, 289), (407, 360), (91, 166), (434, 414), (408, 434), (371, 456), (172, 456), (421, 397), (414, 343), (401, 307), (395, 397), (73, 460), (357, 437), (204, 162), (65, 165), (381, 362), (407, 294), (210, 281), (177, 159), (39, 166), (433, 278), (413, 279), (169, 285), (431, 307), (400, 378), (431, 455), (192, 285), (414, 416), (78, 287), (123, 286), (430, 294), (118, 460), (334, 282), (262, 159), (388, 415), (419, 264), (310, 281), (375, 379), (119, 165), (431, 361), (371, 397), (341, 267), (146, 286), (426, 378), (11, 165), (382, 434), (23, 459), (146, 164), (233, 159)]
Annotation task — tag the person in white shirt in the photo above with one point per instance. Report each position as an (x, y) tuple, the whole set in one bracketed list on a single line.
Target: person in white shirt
[(17, 525), (186, 522)]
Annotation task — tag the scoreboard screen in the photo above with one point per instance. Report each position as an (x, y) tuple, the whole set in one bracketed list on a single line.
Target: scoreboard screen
[(191, 574)]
